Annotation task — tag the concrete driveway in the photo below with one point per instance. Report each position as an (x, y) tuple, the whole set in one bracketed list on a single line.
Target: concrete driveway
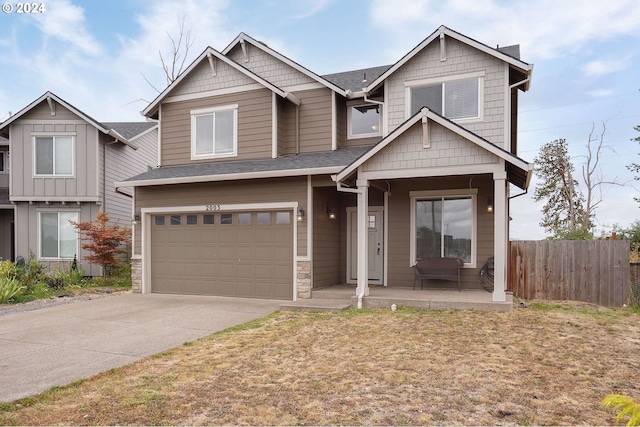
[(55, 346)]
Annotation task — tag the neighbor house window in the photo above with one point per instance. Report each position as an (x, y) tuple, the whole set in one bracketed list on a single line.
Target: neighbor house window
[(443, 226), (214, 132), (364, 121), (58, 237), (453, 98), (54, 155)]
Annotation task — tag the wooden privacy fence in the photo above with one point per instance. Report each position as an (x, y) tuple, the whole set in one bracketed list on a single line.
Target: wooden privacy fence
[(594, 271)]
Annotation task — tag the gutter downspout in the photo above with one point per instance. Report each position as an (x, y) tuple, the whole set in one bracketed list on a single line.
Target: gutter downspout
[(298, 129), (339, 187)]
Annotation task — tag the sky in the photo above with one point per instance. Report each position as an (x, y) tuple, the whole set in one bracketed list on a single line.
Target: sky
[(103, 57)]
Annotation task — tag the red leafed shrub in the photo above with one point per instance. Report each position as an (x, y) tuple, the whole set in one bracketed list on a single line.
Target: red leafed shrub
[(103, 241)]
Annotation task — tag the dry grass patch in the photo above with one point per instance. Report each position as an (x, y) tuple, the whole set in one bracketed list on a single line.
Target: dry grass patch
[(542, 365)]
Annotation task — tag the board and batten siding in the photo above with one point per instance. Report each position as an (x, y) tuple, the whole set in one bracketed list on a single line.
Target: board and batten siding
[(254, 126), (461, 59), (83, 183), (123, 162), (28, 229), (225, 193)]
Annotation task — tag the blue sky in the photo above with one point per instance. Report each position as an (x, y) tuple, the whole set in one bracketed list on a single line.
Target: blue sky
[(586, 56)]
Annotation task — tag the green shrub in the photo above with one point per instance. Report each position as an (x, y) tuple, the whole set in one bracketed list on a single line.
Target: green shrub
[(9, 288), (55, 281), (30, 272)]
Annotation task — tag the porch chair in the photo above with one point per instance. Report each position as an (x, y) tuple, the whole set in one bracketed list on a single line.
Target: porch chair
[(437, 268)]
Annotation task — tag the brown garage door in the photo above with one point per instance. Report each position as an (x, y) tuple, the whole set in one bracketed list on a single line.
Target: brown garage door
[(239, 254)]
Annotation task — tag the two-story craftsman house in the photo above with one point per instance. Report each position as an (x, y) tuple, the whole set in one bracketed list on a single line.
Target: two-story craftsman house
[(57, 164), (274, 180)]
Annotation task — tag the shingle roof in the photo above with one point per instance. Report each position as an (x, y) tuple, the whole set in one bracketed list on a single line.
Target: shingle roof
[(357, 79), (324, 159), (513, 50), (129, 129)]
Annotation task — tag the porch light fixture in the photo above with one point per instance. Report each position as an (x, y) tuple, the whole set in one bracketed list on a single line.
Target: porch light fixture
[(300, 215), (489, 204), (331, 213), (136, 218)]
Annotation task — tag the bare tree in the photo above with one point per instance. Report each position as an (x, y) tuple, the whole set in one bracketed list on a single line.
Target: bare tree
[(592, 174), (180, 46)]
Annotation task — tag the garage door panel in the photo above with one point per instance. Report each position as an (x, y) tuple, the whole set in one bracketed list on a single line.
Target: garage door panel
[(253, 259)]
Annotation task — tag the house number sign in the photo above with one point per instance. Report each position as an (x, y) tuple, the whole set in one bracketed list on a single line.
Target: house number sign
[(212, 207)]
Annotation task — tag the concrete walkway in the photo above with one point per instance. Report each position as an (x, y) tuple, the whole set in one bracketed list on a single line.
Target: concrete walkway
[(55, 346)]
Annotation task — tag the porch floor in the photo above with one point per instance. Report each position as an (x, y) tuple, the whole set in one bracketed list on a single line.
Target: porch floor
[(341, 297)]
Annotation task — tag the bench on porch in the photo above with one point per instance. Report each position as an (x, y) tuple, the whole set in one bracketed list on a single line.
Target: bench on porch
[(439, 269)]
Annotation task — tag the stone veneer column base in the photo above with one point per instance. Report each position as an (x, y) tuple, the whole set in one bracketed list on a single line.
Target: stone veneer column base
[(303, 269), (136, 275)]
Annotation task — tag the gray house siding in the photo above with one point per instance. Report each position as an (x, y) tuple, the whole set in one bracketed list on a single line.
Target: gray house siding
[(26, 224), (269, 67), (461, 59), (121, 163), (84, 182)]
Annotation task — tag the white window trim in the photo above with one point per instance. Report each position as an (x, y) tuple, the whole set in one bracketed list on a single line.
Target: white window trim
[(77, 254), (212, 110), (350, 134), (418, 195), (411, 84), (54, 135)]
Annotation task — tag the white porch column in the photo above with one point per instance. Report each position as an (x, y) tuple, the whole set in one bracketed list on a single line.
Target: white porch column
[(500, 236), (363, 237)]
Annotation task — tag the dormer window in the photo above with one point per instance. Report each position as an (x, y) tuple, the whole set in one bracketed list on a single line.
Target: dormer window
[(456, 98), (214, 132), (364, 120)]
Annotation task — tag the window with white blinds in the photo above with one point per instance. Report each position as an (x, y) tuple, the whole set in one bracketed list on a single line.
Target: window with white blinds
[(454, 99)]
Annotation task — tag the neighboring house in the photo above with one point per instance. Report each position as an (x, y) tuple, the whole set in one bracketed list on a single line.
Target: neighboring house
[(62, 167), (274, 180)]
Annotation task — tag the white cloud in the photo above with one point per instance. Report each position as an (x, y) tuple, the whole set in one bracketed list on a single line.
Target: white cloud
[(544, 28), (65, 21), (600, 68), (600, 93), (310, 7)]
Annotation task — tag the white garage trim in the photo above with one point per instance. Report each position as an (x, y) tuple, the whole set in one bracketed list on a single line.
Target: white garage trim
[(146, 231)]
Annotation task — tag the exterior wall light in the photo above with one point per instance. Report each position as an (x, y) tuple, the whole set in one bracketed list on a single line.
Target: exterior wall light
[(490, 204), (300, 215), (331, 213), (136, 218)]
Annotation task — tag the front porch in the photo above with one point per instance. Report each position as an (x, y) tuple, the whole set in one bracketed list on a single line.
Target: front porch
[(341, 297)]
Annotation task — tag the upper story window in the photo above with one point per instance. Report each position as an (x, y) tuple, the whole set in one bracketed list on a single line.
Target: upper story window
[(456, 98), (3, 165), (214, 132), (54, 155), (364, 120)]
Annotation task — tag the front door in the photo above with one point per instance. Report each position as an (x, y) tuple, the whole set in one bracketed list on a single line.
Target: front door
[(376, 245)]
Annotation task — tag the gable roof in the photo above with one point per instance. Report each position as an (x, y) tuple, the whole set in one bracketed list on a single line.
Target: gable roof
[(210, 52), (242, 37), (356, 80), (131, 130), (50, 98), (518, 171), (503, 55)]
